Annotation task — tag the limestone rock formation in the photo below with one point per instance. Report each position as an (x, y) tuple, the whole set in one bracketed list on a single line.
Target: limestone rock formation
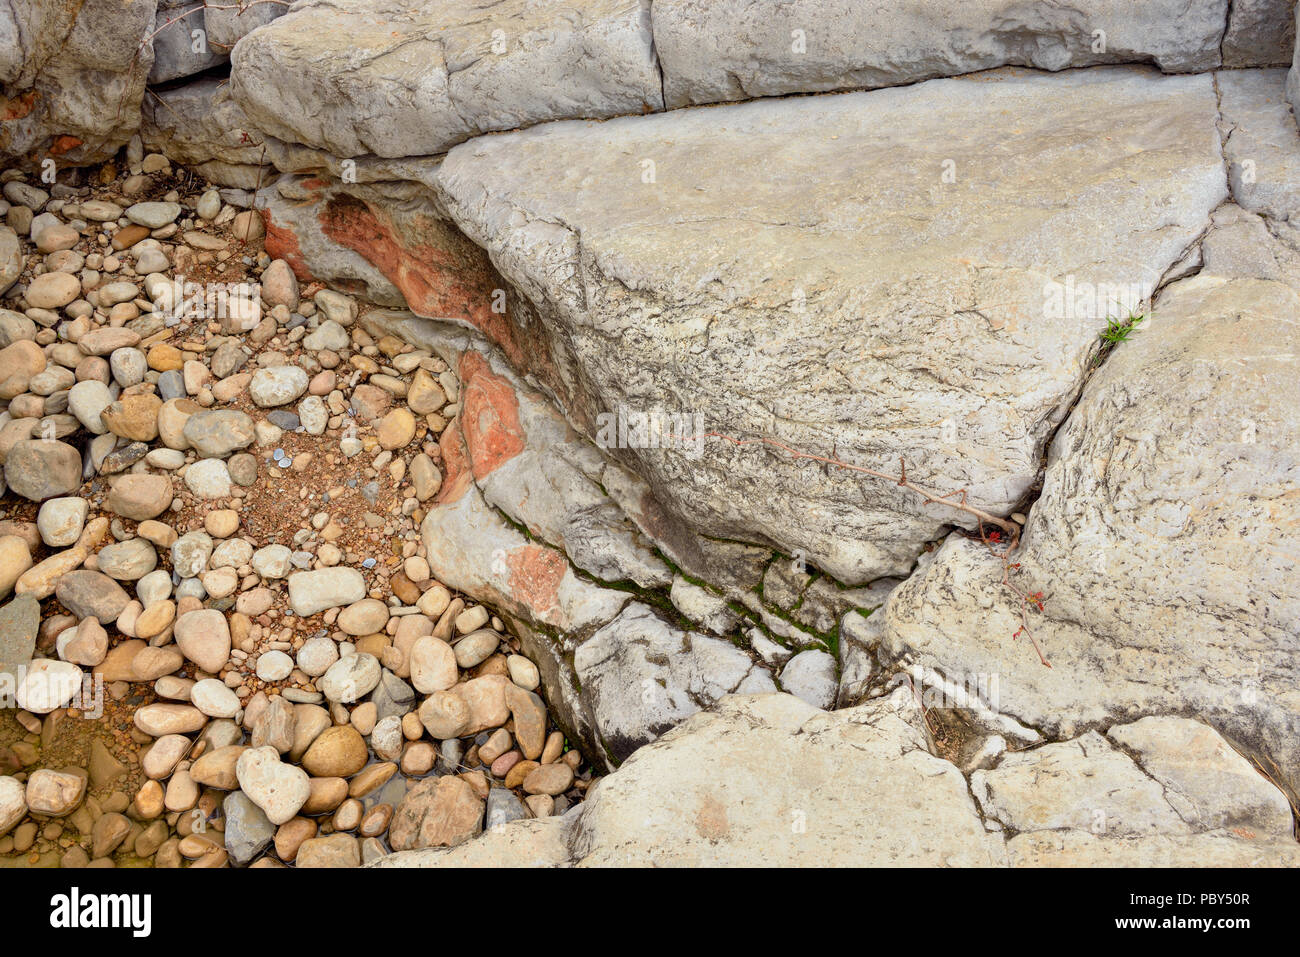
[(1164, 539), (72, 76), (717, 50), (181, 46), (848, 275), (767, 780), (445, 72), (198, 124)]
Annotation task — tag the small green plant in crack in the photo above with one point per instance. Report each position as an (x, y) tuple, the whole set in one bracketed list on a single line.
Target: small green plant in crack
[(1117, 331)]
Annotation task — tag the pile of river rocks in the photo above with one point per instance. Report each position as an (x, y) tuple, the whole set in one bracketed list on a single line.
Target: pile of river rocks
[(214, 481)]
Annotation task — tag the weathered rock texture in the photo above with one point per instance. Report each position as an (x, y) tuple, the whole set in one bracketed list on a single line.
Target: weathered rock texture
[(1293, 75), (71, 77), (201, 126), (535, 519), (295, 218), (453, 71), (1259, 33), (643, 676), (226, 23), (1261, 144), (716, 50), (770, 781), (181, 46), (804, 270), (444, 72), (1165, 539)]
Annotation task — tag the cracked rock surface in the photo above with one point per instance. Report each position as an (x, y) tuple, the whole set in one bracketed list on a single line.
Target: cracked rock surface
[(927, 329), (1165, 538), (444, 72), (694, 798), (714, 50)]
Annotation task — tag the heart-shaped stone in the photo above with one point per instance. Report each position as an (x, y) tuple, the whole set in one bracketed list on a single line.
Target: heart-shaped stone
[(279, 789)]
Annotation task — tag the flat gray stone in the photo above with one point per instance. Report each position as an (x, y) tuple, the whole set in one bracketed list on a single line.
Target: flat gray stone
[(1164, 539), (174, 54), (760, 275), (20, 619), (248, 831), (444, 73), (716, 50), (642, 676)]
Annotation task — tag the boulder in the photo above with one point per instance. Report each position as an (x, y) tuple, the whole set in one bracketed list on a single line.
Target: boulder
[(227, 24), (530, 464), (301, 230), (177, 52), (1204, 778), (759, 261), (1261, 143), (73, 75), (1163, 540), (717, 50), (1259, 33), (444, 73), (1293, 74), (641, 676), (481, 554)]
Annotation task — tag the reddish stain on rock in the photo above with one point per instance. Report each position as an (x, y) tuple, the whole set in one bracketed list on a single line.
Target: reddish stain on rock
[(534, 578), (63, 144), (443, 276), (457, 477), (489, 416), (711, 819), (17, 107), (282, 243)]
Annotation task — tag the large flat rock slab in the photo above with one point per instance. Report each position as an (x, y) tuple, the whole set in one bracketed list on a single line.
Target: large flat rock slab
[(718, 50), (396, 78), (1166, 539), (870, 276), (770, 781)]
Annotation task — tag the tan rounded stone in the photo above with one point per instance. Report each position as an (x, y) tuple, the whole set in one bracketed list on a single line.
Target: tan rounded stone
[(549, 779), (339, 751), (134, 417), (396, 429), (155, 619), (326, 794)]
